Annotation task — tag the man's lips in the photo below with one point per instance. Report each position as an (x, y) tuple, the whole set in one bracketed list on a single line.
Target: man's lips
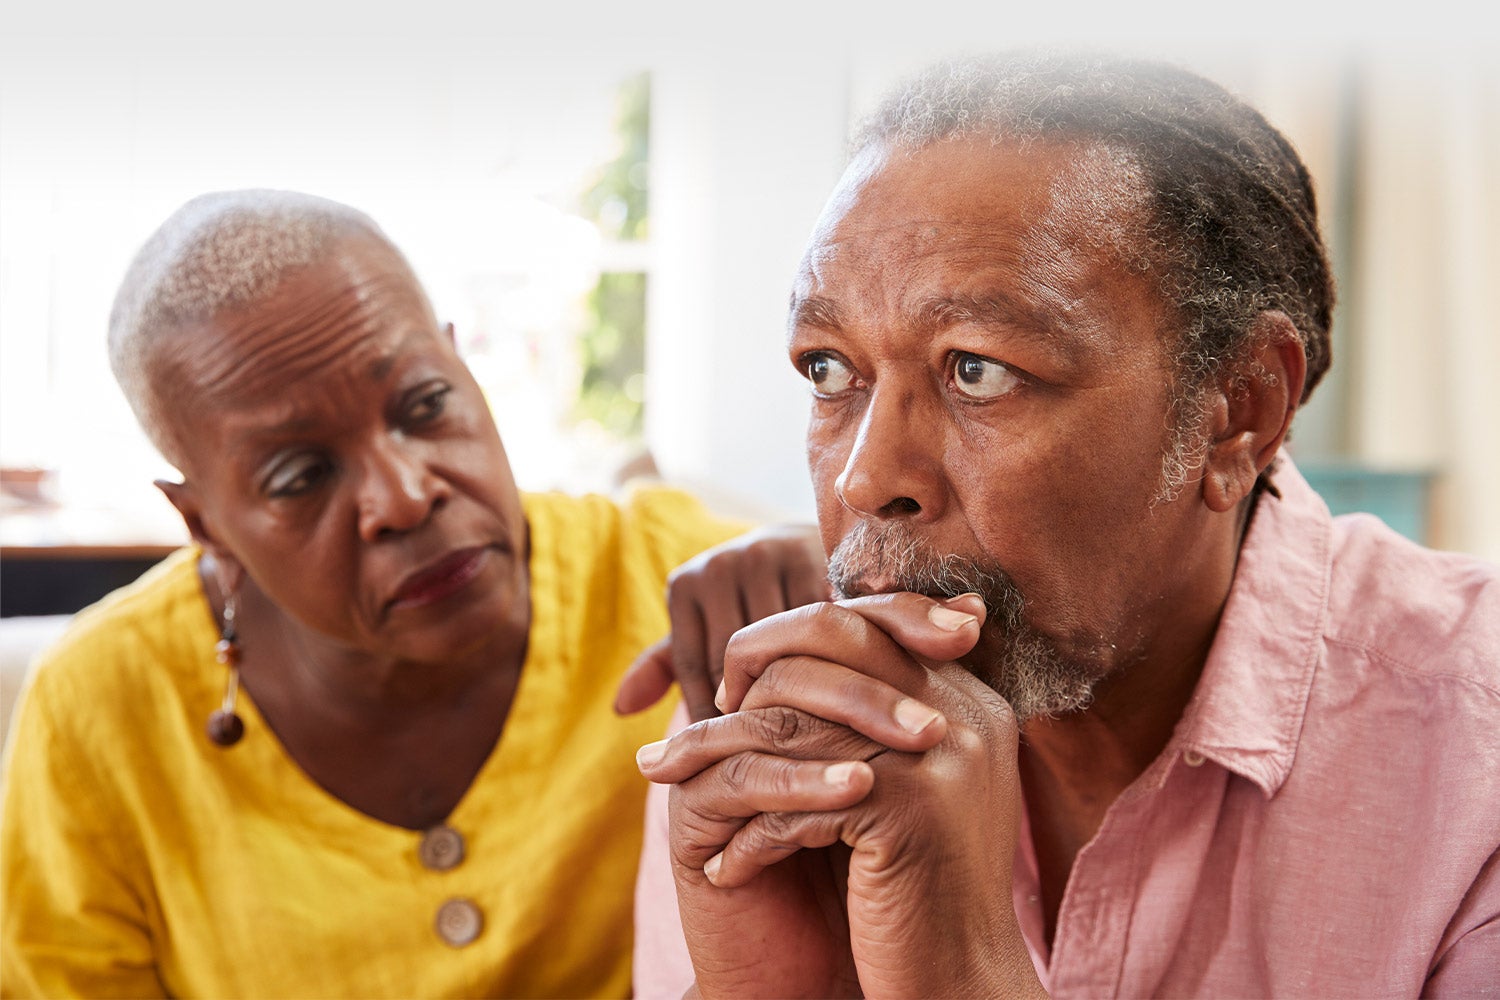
[(441, 579)]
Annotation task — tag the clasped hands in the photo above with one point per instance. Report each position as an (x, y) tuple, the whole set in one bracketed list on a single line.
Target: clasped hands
[(848, 826)]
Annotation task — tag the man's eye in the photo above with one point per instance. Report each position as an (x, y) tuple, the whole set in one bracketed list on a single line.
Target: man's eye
[(981, 378), (828, 375)]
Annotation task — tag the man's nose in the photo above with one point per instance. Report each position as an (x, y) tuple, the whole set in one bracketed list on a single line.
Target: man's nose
[(399, 492), (895, 468)]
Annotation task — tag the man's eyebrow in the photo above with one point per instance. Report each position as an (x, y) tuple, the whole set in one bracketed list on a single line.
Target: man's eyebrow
[(815, 311), (940, 312)]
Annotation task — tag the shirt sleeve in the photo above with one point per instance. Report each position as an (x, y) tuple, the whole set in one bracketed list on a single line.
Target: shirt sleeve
[(662, 968), (73, 925)]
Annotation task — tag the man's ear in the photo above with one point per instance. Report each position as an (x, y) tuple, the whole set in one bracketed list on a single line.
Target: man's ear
[(1253, 411), (185, 499)]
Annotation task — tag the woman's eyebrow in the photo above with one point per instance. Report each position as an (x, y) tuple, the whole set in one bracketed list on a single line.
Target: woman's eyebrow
[(383, 365)]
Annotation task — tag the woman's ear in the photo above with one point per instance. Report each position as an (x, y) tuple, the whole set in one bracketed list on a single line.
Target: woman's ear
[(185, 499), (1259, 395)]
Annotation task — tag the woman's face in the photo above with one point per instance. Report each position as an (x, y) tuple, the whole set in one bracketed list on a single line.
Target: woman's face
[(338, 449)]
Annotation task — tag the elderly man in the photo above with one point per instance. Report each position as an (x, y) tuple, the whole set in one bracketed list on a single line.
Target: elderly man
[(1110, 705)]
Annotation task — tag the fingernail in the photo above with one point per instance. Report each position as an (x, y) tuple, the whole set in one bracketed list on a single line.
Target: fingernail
[(711, 869), (719, 697), (651, 754), (947, 619), (839, 775), (913, 716)]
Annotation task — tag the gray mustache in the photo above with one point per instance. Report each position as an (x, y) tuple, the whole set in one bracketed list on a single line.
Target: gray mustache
[(894, 554)]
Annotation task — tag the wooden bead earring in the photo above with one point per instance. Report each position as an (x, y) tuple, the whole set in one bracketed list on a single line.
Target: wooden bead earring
[(225, 727)]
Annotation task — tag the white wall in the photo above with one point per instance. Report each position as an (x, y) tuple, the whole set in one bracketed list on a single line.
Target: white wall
[(751, 111), (746, 145)]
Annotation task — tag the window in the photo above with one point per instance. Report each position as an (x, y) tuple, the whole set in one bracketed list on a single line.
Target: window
[(516, 187)]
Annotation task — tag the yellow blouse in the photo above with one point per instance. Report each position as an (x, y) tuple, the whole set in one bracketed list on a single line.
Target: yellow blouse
[(141, 859)]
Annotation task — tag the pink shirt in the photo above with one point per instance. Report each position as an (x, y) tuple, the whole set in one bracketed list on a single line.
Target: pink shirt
[(1326, 818)]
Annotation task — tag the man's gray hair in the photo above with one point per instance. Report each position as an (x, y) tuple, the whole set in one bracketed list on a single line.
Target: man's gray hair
[(1230, 227), (220, 251)]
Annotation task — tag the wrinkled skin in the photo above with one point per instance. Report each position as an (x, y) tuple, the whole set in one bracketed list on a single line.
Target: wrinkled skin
[(346, 480), (987, 372)]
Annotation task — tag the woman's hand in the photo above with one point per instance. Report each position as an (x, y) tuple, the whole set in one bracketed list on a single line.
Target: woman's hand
[(712, 596)]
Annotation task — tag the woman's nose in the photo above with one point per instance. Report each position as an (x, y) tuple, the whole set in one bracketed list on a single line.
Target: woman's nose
[(399, 492)]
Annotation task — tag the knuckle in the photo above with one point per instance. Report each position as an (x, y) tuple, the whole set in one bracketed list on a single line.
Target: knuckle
[(776, 828), (681, 573), (737, 772), (680, 596), (968, 740), (719, 571), (688, 575), (759, 557), (696, 740), (740, 642), (827, 616), (695, 839), (785, 725)]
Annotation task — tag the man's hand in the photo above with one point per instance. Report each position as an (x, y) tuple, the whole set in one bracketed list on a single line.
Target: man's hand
[(713, 595), (851, 828)]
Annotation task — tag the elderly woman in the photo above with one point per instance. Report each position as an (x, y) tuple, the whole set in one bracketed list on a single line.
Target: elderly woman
[(356, 740)]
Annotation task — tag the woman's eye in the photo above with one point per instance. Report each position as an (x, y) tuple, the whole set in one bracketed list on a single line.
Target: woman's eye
[(295, 478), (981, 378), (829, 376), (429, 406)]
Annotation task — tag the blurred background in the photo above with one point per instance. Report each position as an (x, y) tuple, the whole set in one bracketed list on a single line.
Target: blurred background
[(609, 202)]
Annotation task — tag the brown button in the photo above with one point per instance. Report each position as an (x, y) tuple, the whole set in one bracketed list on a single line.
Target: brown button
[(442, 848), (459, 922)]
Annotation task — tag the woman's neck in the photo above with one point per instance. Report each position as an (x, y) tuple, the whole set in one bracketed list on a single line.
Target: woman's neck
[(396, 739)]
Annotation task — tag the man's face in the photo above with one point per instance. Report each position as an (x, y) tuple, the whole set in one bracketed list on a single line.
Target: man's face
[(991, 389), (341, 452)]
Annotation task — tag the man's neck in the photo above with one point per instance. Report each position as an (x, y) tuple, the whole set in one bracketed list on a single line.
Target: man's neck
[(1075, 766)]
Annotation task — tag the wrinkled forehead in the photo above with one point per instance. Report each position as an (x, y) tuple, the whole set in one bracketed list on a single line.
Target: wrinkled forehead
[(346, 317), (344, 301), (1075, 192)]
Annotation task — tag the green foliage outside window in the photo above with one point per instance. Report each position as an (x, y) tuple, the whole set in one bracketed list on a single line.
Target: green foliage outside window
[(617, 201), (613, 339), (614, 354)]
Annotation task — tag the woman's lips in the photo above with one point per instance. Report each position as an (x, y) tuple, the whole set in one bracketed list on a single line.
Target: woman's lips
[(442, 579)]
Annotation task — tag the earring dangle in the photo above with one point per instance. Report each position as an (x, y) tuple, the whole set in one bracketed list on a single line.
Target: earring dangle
[(225, 727)]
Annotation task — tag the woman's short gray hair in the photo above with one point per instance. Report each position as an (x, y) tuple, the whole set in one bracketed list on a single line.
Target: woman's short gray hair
[(218, 252)]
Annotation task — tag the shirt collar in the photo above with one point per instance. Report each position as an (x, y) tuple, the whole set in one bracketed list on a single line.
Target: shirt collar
[(1247, 710)]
